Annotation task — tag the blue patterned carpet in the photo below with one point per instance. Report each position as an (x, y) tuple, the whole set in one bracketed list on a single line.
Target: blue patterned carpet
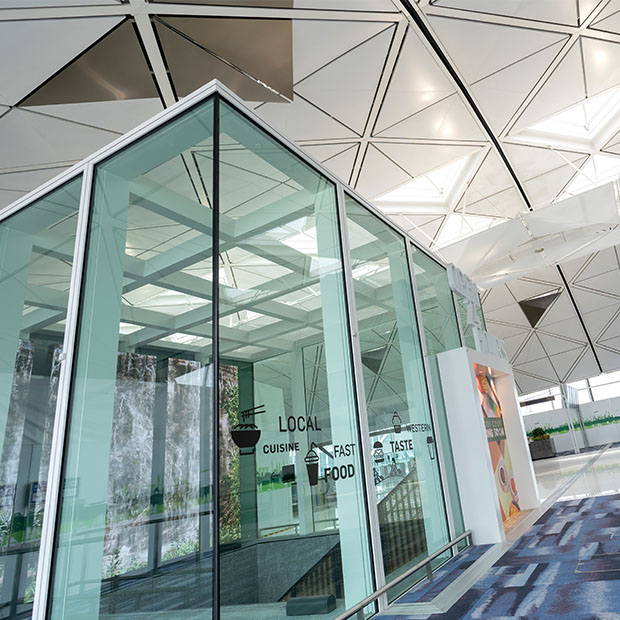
[(566, 566)]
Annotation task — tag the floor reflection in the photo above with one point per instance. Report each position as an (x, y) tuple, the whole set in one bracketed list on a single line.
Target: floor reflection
[(603, 478)]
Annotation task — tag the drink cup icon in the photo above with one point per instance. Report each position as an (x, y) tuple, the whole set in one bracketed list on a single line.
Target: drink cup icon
[(397, 422), (312, 467)]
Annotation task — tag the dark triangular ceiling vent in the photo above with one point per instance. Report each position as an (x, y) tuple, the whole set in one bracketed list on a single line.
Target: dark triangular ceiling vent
[(374, 358), (534, 308)]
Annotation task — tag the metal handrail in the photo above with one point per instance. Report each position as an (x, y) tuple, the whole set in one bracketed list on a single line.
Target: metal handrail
[(359, 608)]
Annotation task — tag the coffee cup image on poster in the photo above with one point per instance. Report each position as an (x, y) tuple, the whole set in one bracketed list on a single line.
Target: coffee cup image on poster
[(498, 446)]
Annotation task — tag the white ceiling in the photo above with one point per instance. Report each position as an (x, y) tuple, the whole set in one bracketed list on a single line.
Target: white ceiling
[(385, 93)]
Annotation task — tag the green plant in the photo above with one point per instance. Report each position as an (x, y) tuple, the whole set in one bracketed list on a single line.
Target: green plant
[(538, 433)]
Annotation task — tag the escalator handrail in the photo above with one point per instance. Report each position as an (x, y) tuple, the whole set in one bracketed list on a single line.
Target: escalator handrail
[(359, 608)]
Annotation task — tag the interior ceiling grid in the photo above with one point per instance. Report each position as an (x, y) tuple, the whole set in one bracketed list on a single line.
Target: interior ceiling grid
[(440, 93)]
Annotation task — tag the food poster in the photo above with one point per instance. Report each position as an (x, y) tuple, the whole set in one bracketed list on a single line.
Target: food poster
[(498, 446)]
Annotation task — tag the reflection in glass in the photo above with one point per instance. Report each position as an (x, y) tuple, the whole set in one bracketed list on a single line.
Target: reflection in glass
[(135, 537), (410, 505), (36, 258), (293, 519), (441, 333)]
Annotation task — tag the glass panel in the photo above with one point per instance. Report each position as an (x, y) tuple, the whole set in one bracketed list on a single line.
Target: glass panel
[(36, 258), (135, 534), (466, 324), (294, 528), (441, 333), (410, 503)]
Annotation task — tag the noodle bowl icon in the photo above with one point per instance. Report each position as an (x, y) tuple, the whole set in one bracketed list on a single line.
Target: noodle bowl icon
[(245, 434)]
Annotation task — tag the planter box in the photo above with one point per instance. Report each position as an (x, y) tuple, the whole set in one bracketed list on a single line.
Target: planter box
[(541, 449)]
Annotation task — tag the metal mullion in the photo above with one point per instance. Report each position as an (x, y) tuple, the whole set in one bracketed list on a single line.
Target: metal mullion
[(431, 396), (360, 396), (51, 513), (215, 295)]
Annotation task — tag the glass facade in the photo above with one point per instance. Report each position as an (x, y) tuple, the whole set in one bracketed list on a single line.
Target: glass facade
[(251, 423)]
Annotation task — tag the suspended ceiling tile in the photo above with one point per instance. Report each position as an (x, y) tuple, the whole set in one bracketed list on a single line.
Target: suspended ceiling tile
[(597, 320), (342, 163), (531, 351), (602, 64), (419, 159), (612, 332), (547, 276), (606, 283), (27, 181), (513, 315), (301, 120), (526, 289), (417, 82), (198, 49), (610, 360), (321, 152), (114, 68), (546, 187), (501, 94), (585, 368), (563, 362), (561, 311), (36, 139), (572, 269), (541, 368), (552, 11), (497, 297), (588, 301), (554, 345), (506, 331), (379, 174), (511, 343), (532, 161), (447, 119), (608, 20), (337, 87), (566, 328), (529, 384), (563, 88), (496, 46), (586, 7), (8, 196), (336, 37), (39, 48), (119, 116)]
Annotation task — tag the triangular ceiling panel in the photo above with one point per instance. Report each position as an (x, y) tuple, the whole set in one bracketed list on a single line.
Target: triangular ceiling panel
[(525, 289), (610, 360), (613, 331), (417, 82), (552, 11), (597, 320), (337, 88), (301, 121), (506, 331), (562, 310), (119, 116), (39, 48), (498, 297), (571, 326), (586, 367), (417, 160), (425, 232), (563, 88), (342, 163), (447, 119), (29, 180), (563, 362), (379, 174), (606, 283), (589, 301), (491, 178), (114, 68), (504, 204), (501, 94), (337, 38), (531, 351), (585, 9), (511, 343), (37, 140), (527, 383), (199, 49), (541, 368), (602, 64), (513, 315), (608, 19), (496, 46), (554, 345)]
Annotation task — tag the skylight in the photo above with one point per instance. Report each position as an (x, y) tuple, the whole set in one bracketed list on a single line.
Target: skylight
[(435, 188), (459, 226), (582, 124)]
